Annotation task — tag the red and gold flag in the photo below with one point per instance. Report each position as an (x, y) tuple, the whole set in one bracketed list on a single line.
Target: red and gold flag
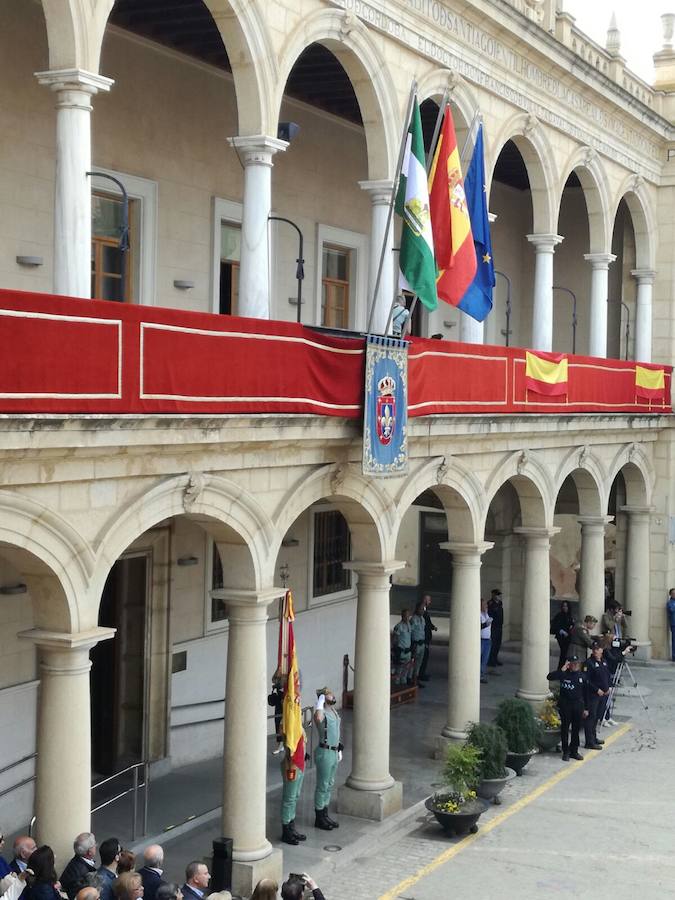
[(291, 717), (450, 222), (546, 373), (650, 382)]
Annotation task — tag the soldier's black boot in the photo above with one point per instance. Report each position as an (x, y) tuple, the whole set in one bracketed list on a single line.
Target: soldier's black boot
[(296, 833), (320, 820), (288, 835), (331, 822)]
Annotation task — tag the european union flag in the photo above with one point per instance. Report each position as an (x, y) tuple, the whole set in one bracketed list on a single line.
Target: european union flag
[(477, 302)]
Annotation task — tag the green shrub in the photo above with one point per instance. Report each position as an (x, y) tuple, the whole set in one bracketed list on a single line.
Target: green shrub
[(517, 721), (491, 741), (462, 768)]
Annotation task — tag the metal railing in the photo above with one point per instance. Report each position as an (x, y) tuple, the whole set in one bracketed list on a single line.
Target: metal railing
[(134, 789), (15, 765)]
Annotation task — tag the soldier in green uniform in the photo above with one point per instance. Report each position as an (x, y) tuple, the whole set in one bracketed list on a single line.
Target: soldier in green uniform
[(417, 632), (292, 775), (326, 756)]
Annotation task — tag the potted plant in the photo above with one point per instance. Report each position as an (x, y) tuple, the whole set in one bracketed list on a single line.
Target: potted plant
[(516, 719), (548, 722), (456, 808), (493, 774)]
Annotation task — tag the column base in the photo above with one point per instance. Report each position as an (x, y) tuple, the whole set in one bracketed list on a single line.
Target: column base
[(533, 697), (643, 652), (447, 738), (376, 805), (245, 875)]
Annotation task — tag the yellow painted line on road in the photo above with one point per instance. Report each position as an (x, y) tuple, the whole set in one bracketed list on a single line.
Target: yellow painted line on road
[(456, 849)]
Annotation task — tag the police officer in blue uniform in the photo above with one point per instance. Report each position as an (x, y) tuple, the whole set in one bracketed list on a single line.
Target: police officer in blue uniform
[(572, 705), (598, 678)]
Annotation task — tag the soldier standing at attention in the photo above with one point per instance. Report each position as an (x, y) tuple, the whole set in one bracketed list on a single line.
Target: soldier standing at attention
[(292, 776), (326, 756), (417, 633)]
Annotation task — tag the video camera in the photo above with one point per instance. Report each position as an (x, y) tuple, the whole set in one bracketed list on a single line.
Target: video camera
[(625, 643)]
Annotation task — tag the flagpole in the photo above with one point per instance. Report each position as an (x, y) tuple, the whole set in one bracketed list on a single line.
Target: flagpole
[(390, 215)]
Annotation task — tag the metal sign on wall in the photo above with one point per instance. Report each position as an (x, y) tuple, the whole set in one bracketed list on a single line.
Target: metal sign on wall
[(385, 407)]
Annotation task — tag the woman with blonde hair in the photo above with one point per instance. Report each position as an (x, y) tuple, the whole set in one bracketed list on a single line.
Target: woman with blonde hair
[(128, 886), (266, 889)]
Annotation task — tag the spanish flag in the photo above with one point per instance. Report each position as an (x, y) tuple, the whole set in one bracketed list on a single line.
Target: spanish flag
[(450, 222), (291, 718), (546, 373), (650, 383)]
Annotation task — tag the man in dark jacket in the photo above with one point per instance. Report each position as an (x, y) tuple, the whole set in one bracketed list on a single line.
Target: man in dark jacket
[(429, 629), (295, 886), (197, 877), (496, 612), (109, 851), (598, 679), (74, 876), (151, 872), (572, 705)]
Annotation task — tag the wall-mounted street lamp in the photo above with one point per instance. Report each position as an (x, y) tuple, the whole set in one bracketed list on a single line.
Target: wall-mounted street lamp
[(557, 287), (506, 331), (627, 308), (300, 268)]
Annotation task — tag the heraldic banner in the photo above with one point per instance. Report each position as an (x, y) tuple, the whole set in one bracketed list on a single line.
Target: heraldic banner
[(385, 407)]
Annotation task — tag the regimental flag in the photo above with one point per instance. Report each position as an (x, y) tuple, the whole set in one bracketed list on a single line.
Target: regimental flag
[(291, 717), (650, 384), (416, 257), (477, 302), (455, 253), (546, 373)]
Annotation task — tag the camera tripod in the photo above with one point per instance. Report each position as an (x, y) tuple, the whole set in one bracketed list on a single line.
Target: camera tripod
[(616, 680)]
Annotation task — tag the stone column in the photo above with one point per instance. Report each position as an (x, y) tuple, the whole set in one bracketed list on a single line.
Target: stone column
[(370, 792), (536, 643), (380, 197), (74, 89), (592, 566), (470, 331), (600, 262), (63, 765), (542, 308), (643, 314), (636, 589), (464, 643), (256, 153), (245, 746)]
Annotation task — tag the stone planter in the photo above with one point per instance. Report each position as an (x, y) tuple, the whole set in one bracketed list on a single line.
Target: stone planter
[(461, 822), (518, 761), (491, 788), (548, 739)]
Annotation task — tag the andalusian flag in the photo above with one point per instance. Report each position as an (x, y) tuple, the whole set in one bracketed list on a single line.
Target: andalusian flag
[(546, 373), (416, 258), (650, 383), (291, 719), (453, 241)]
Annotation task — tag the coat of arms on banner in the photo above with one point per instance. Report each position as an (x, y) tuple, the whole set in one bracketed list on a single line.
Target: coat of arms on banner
[(385, 445)]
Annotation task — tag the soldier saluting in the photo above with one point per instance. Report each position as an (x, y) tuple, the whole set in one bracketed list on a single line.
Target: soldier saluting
[(326, 756)]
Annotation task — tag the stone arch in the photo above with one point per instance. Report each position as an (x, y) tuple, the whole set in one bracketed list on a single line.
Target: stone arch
[(434, 84), (221, 507), (589, 169), (55, 559), (535, 149), (352, 45), (634, 192), (590, 479), (75, 31), (638, 474), (531, 482), (368, 512), (457, 488)]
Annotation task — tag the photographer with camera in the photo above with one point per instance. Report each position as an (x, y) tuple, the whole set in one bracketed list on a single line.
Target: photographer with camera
[(613, 621), (295, 886)]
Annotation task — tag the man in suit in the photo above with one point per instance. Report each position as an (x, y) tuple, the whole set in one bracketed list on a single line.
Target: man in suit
[(74, 876), (23, 847), (197, 877), (152, 870), (429, 629)]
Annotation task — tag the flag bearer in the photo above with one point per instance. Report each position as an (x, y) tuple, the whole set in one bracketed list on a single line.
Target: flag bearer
[(292, 774), (326, 756)]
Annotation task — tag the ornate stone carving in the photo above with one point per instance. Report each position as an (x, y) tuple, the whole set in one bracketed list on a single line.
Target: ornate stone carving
[(193, 490), (632, 452), (523, 460), (535, 10), (584, 454), (589, 155), (348, 24), (636, 183), (337, 479), (531, 124), (442, 471)]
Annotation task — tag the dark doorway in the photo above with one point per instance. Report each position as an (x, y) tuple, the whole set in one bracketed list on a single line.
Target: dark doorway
[(118, 674), (435, 563)]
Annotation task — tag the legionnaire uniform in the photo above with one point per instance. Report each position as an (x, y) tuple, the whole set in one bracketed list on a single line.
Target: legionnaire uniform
[(572, 705), (598, 678), (417, 633), (292, 777), (326, 757), (402, 651)]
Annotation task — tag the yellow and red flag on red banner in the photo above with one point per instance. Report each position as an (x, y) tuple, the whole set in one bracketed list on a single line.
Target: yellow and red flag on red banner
[(546, 373), (450, 222), (650, 382), (291, 717)]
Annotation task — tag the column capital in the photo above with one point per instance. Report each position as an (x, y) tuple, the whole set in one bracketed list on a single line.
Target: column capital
[(600, 260), (595, 521), (257, 149), (64, 641), (644, 276), (75, 80), (249, 599), (380, 191), (637, 512), (385, 568), (545, 243), (536, 534), (462, 552)]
